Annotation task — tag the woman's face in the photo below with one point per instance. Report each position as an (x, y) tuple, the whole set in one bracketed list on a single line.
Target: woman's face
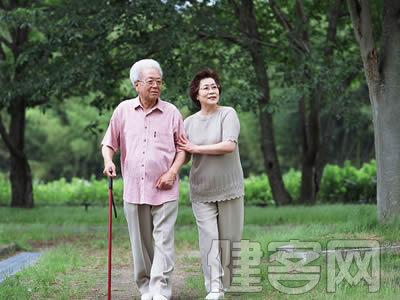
[(208, 92)]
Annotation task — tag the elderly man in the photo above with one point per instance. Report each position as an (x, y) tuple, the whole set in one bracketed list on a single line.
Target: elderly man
[(146, 131)]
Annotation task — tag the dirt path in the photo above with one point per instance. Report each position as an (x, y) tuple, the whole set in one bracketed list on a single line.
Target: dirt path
[(187, 265)]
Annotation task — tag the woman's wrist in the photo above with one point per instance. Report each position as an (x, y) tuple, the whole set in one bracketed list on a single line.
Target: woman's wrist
[(197, 149)]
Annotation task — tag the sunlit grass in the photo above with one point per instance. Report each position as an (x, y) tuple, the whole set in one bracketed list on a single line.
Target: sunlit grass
[(54, 274), (77, 247)]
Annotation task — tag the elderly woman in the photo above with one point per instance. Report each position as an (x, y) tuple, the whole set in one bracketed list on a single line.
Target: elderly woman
[(216, 179)]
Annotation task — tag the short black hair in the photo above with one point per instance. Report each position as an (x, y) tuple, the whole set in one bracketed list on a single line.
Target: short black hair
[(195, 83)]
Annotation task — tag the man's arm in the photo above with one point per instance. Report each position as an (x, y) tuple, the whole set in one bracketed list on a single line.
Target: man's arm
[(179, 161), (109, 167), (188, 157), (166, 181)]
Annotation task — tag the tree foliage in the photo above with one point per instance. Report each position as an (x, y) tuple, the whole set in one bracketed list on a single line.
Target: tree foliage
[(56, 53)]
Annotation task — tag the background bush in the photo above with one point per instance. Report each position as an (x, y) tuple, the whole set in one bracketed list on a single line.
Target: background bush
[(345, 184), (257, 192), (349, 184), (5, 190)]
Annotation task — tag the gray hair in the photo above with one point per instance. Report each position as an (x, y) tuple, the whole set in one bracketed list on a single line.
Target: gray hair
[(141, 65)]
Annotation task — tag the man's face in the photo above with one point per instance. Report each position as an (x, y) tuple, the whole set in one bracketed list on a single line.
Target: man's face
[(149, 85)]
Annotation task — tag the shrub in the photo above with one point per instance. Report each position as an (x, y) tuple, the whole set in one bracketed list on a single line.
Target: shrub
[(257, 191), (349, 184), (292, 180), (339, 184), (184, 197), (76, 192), (5, 192)]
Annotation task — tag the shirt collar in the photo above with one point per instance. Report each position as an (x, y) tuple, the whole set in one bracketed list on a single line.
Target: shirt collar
[(160, 105)]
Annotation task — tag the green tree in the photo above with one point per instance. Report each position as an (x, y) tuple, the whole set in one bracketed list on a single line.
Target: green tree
[(233, 25), (61, 141), (381, 68), (318, 71), (250, 150), (52, 50), (20, 52)]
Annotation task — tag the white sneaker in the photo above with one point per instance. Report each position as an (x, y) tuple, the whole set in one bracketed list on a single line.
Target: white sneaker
[(146, 296), (159, 297), (215, 296)]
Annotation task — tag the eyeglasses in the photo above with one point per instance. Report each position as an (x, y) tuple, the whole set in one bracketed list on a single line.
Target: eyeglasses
[(151, 82), (208, 88)]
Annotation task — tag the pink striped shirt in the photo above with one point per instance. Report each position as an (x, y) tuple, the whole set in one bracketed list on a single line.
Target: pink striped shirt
[(147, 142)]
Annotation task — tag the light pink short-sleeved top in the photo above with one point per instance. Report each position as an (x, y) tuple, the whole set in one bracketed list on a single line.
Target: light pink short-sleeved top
[(148, 144)]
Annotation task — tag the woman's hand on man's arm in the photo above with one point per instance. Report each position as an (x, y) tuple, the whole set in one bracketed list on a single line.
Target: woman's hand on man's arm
[(213, 149)]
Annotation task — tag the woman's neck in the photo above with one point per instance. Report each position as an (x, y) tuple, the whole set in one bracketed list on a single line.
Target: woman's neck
[(208, 109)]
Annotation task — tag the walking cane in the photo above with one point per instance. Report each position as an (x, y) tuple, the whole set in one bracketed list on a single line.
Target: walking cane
[(111, 205)]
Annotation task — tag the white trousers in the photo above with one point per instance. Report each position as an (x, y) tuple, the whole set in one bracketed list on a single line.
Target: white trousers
[(219, 224), (151, 232)]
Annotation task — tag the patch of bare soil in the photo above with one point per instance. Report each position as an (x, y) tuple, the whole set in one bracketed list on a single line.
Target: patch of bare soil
[(187, 264), (122, 285)]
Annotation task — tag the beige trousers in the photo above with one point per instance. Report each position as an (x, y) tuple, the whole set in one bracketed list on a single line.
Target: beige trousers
[(219, 224), (151, 231)]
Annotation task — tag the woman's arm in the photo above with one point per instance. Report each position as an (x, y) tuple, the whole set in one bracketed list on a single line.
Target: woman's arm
[(217, 149), (213, 149)]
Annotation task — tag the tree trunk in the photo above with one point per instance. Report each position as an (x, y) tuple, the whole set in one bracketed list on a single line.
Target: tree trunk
[(387, 113), (312, 162), (247, 19), (310, 147), (268, 146), (313, 153), (383, 79), (21, 183), (271, 163), (20, 172), (14, 139)]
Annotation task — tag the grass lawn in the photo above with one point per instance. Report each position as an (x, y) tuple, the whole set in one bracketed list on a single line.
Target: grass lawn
[(75, 243)]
